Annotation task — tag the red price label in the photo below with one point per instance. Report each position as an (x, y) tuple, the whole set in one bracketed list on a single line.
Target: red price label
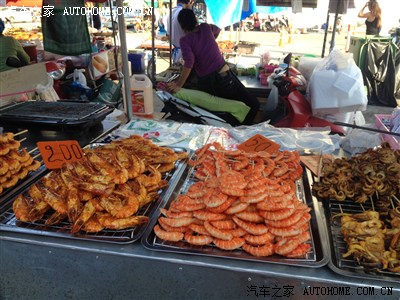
[(56, 153), (259, 143)]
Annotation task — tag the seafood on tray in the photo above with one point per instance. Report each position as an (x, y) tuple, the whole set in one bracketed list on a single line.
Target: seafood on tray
[(15, 162), (372, 174), (372, 243), (105, 189), (242, 201)]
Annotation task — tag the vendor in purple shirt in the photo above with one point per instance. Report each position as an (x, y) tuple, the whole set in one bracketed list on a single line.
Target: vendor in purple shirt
[(201, 52)]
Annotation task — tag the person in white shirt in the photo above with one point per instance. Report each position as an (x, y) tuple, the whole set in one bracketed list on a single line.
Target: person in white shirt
[(175, 31)]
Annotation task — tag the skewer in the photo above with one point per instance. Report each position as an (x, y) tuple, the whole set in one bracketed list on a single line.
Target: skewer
[(319, 167), (340, 207), (21, 140), (362, 207), (391, 201), (34, 149), (372, 202), (398, 201), (36, 156), (21, 132)]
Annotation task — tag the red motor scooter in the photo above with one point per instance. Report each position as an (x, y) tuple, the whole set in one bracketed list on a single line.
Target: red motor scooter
[(293, 109)]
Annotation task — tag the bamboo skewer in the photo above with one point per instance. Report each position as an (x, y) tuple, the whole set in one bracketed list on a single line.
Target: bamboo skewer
[(391, 201), (21, 132), (340, 207), (21, 140), (395, 198), (37, 155), (372, 202), (33, 150)]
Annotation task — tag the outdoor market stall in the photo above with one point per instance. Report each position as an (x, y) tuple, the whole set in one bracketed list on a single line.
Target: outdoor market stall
[(122, 263), (43, 257)]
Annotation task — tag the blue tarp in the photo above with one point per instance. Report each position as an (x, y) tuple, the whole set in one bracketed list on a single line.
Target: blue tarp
[(227, 12)]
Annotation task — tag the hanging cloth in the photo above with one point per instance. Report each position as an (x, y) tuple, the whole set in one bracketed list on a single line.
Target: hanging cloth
[(382, 73), (65, 29)]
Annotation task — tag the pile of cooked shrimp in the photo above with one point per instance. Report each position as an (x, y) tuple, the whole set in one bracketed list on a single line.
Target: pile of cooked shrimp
[(105, 189), (242, 201)]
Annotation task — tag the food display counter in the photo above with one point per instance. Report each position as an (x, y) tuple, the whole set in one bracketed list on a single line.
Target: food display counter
[(46, 268), (40, 266)]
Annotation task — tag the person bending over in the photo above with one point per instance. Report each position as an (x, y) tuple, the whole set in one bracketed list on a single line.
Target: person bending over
[(201, 52), (373, 17), (12, 55)]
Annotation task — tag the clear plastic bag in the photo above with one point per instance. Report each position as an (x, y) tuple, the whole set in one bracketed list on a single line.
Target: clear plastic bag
[(336, 85), (47, 92)]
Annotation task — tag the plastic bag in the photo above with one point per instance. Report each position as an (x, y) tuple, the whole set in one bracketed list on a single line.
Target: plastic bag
[(47, 92), (312, 140), (268, 108), (382, 73), (336, 85)]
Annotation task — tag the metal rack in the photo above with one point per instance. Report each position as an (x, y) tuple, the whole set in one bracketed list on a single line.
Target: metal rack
[(347, 266)]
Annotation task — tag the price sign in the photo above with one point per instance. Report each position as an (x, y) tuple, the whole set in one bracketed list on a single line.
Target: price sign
[(56, 153), (259, 143)]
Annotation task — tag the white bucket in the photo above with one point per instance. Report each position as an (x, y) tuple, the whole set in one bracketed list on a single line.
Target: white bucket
[(141, 94)]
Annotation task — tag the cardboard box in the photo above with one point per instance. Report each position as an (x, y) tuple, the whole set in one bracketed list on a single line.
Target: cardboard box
[(19, 82)]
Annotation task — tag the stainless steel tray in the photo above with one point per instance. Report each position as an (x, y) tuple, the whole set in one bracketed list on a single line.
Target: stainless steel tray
[(315, 257), (8, 221), (337, 246)]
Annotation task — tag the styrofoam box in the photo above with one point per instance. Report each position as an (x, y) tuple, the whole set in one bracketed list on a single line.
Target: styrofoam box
[(326, 98)]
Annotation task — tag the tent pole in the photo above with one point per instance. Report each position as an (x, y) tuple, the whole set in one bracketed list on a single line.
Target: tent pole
[(125, 63), (170, 32), (153, 45), (325, 34), (335, 25)]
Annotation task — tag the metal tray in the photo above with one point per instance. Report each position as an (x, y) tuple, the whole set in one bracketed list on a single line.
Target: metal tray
[(315, 257), (337, 246), (53, 114), (32, 176), (8, 221)]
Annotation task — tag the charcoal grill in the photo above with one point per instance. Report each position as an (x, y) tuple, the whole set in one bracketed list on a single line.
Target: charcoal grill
[(53, 114)]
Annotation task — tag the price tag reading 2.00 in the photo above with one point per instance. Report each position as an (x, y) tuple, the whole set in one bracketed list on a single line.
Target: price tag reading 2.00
[(56, 153), (259, 143)]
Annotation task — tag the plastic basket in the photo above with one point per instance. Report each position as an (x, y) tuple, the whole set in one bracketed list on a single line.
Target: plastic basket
[(264, 78)]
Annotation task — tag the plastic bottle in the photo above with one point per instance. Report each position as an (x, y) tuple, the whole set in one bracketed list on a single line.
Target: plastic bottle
[(141, 94)]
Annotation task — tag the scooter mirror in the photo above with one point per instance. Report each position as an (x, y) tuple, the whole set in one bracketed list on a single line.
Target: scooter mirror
[(287, 59)]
